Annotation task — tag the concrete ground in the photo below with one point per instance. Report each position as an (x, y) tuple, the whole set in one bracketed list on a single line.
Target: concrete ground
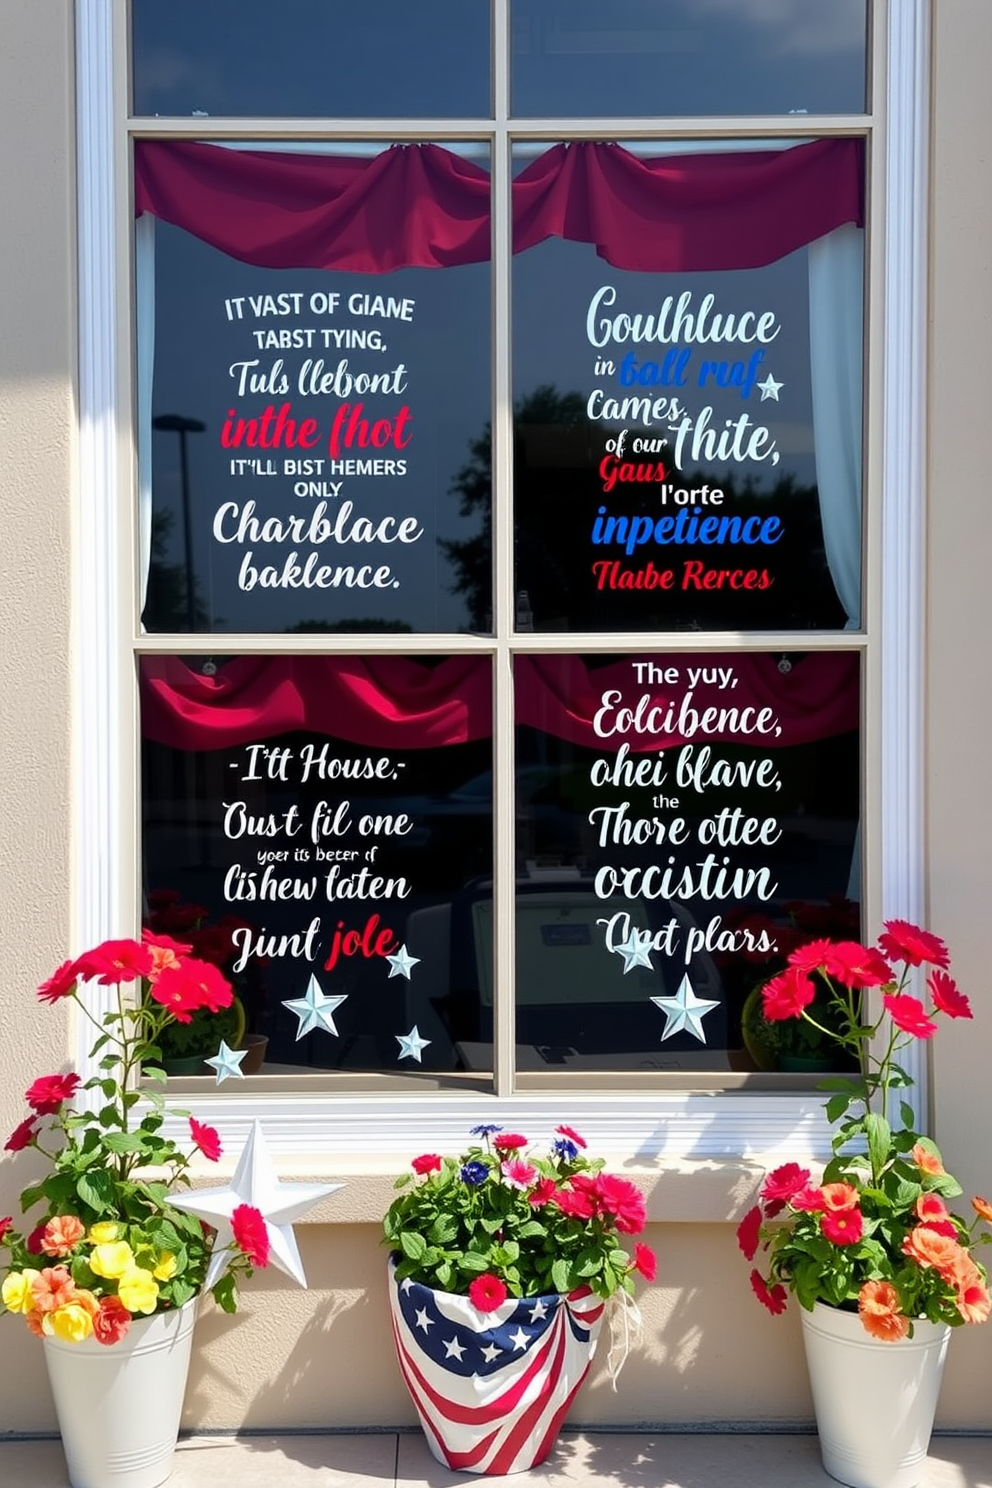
[(592, 1459)]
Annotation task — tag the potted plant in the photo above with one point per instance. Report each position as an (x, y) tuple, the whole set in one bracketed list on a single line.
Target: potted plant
[(879, 1264), (502, 1264), (109, 1271)]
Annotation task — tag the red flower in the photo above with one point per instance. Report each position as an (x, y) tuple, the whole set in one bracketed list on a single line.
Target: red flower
[(115, 961), (857, 966), (22, 1136), (576, 1204), (812, 956), (645, 1261), (428, 1163), (205, 1138), (774, 1298), (749, 1232), (509, 1142), (543, 1192), (251, 1234), (60, 983), (112, 1321), (32, 1243), (842, 1226), (908, 1014), (623, 1200), (164, 951), (946, 997), (572, 1135), (902, 941), (783, 1182), (809, 1199), (49, 1091), (486, 1293), (215, 991), (5, 1224), (786, 995)]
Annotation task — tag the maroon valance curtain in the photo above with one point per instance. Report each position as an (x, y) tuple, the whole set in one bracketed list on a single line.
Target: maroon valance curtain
[(420, 206), (392, 702)]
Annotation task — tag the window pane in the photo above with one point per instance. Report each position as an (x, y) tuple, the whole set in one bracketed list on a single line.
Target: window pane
[(686, 58), (687, 444), (315, 826), (682, 823), (309, 434), (311, 58)]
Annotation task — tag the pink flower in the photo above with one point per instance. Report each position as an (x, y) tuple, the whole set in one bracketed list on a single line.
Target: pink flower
[(112, 1321), (205, 1138), (902, 941), (59, 984), (645, 1261), (115, 961), (946, 997), (518, 1174), (749, 1232), (786, 995), (842, 1226), (543, 1192), (251, 1234), (49, 1092), (577, 1204), (486, 1293), (808, 1199), (858, 966), (812, 956), (572, 1135), (623, 1200), (22, 1136), (774, 1298), (428, 1162), (783, 1182), (6, 1224), (908, 1014), (509, 1142)]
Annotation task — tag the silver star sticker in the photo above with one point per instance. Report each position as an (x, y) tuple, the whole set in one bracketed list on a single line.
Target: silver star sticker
[(453, 1349), (411, 1044), (769, 388), (491, 1352), (227, 1062), (635, 952), (423, 1321), (314, 1010), (519, 1339), (400, 964), (279, 1204), (684, 1011)]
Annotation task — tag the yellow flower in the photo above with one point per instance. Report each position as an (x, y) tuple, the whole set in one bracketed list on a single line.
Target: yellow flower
[(166, 1268), (16, 1291), (71, 1323), (138, 1290), (111, 1260), (103, 1233)]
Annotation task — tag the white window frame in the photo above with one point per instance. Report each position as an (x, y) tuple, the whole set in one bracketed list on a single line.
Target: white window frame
[(335, 1129)]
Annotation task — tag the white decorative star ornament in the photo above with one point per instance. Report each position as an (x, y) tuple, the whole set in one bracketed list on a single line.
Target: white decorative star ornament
[(635, 952), (314, 1010), (684, 1011), (411, 1044), (279, 1204), (770, 388), (227, 1062), (400, 964)]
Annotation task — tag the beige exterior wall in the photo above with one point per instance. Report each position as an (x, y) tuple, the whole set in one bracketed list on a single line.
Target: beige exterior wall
[(321, 1357)]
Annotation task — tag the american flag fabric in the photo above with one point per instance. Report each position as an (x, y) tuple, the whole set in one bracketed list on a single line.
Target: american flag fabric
[(492, 1388)]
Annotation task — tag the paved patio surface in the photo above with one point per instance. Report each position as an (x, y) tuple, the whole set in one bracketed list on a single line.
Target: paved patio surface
[(592, 1459)]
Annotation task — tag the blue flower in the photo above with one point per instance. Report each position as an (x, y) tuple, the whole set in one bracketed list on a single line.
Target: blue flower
[(562, 1147), (474, 1173), (484, 1131)]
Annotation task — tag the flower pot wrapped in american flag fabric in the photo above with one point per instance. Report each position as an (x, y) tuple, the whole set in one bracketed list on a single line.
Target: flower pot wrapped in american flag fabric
[(492, 1388)]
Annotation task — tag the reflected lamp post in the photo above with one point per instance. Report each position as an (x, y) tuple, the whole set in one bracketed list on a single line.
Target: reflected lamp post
[(178, 423)]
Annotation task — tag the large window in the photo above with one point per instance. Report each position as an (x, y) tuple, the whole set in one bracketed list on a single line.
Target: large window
[(501, 589)]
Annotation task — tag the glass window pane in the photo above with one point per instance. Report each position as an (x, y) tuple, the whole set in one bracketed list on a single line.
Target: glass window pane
[(688, 445), (687, 58), (682, 823), (311, 58), (309, 432), (315, 826)]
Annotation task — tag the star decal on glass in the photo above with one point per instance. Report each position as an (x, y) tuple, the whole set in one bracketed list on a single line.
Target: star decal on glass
[(411, 1044), (635, 952), (685, 1011), (401, 963), (314, 1010), (226, 1063), (770, 388)]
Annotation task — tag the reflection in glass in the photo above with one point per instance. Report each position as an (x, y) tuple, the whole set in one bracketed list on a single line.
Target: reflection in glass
[(687, 58), (311, 58), (331, 861), (682, 824)]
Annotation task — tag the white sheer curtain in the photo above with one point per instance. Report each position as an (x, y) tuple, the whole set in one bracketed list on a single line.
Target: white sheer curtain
[(836, 345)]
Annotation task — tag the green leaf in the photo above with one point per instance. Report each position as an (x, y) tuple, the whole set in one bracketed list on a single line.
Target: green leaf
[(413, 1245), (560, 1275), (225, 1293), (124, 1142), (879, 1135), (473, 1261), (96, 1189)]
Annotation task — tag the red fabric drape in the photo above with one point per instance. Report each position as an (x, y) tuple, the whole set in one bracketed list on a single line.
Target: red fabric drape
[(398, 703), (421, 206)]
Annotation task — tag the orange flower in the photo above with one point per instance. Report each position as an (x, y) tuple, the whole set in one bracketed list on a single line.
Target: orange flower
[(61, 1234), (927, 1161), (931, 1250), (931, 1206), (973, 1301), (982, 1207), (878, 1305), (839, 1196), (52, 1288)]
